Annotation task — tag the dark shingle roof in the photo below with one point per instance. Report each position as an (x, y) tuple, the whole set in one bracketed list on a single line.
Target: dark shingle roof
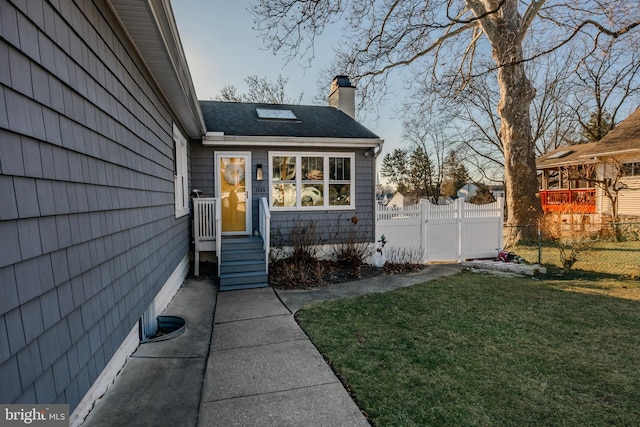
[(241, 119)]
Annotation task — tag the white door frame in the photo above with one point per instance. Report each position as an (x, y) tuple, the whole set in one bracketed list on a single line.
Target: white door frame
[(247, 184)]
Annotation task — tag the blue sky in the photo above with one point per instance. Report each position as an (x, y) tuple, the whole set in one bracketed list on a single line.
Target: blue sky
[(222, 49)]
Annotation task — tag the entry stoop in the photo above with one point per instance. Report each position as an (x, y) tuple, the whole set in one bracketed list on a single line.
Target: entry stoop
[(242, 263)]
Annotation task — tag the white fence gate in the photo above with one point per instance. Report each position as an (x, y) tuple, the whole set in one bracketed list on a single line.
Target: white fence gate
[(452, 232)]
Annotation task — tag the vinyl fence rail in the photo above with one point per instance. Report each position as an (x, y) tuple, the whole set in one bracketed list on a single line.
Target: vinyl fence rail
[(452, 232)]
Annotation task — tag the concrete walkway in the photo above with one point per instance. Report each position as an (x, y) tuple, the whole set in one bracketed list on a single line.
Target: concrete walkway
[(295, 299), (250, 364), (161, 383), (264, 371)]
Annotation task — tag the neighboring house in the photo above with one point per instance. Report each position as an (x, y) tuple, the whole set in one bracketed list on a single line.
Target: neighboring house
[(467, 191), (399, 200), (497, 191), (96, 110), (309, 163), (561, 192)]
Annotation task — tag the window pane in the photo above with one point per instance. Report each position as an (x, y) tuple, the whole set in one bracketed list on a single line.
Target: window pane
[(283, 195), (564, 178), (313, 168), (553, 182), (339, 168), (630, 169), (284, 168), (339, 194), (312, 195)]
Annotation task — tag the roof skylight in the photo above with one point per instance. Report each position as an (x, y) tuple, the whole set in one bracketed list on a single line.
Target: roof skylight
[(273, 114), (560, 154)]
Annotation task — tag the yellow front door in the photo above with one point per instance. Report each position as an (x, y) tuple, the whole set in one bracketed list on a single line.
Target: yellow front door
[(233, 187)]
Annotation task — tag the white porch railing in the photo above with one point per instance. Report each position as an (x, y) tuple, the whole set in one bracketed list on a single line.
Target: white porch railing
[(207, 228), (265, 228)]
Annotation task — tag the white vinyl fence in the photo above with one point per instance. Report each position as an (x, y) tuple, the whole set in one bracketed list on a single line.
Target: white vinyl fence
[(452, 232)]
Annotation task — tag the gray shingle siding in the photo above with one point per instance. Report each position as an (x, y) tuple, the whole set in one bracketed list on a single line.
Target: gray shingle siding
[(87, 213), (333, 225)]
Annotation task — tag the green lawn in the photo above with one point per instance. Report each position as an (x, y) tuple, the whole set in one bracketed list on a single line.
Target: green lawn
[(477, 349), (618, 258)]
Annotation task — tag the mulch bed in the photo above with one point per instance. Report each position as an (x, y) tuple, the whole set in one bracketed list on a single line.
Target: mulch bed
[(287, 274)]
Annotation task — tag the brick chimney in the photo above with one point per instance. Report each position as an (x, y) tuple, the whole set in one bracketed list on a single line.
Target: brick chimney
[(343, 96)]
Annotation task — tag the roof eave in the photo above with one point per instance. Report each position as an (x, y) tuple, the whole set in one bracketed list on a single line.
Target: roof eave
[(616, 153), (151, 27), (583, 160), (217, 139)]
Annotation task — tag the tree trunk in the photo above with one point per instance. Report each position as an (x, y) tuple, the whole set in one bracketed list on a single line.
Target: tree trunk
[(516, 94)]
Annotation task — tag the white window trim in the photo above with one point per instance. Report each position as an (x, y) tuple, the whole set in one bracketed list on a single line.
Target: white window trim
[(181, 177), (325, 181)]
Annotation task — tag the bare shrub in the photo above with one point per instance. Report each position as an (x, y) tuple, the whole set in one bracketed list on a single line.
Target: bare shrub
[(398, 255), (299, 265), (349, 251), (570, 238), (277, 250), (304, 241)]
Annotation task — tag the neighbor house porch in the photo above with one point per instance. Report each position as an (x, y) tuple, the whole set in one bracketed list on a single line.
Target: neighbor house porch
[(581, 200)]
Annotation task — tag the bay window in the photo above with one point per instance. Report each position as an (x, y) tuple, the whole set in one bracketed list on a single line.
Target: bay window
[(308, 181)]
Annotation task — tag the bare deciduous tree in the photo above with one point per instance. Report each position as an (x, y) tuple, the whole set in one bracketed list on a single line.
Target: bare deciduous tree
[(428, 139), (260, 89), (605, 82), (384, 36), (609, 179)]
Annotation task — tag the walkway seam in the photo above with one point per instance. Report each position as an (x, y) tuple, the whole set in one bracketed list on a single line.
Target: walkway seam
[(206, 360), (275, 391), (259, 345), (250, 318)]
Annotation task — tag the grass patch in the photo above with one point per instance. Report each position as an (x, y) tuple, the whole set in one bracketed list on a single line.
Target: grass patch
[(616, 258), (476, 349)]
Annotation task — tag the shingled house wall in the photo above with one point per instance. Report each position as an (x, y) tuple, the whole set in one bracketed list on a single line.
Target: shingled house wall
[(87, 219)]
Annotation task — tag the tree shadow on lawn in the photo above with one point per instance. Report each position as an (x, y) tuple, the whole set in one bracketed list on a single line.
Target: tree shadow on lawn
[(607, 284)]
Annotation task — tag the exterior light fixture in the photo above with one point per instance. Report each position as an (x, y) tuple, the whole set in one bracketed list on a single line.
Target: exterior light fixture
[(259, 173)]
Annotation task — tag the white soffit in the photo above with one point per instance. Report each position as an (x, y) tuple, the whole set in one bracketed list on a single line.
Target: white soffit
[(152, 29), (220, 139)]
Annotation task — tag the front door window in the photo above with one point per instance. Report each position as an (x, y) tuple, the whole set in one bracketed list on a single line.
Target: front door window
[(233, 181)]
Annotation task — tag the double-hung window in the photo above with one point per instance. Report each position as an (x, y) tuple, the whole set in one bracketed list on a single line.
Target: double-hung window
[(631, 169), (181, 178), (312, 181)]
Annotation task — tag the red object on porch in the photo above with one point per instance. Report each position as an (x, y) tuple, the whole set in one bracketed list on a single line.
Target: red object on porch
[(568, 201)]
